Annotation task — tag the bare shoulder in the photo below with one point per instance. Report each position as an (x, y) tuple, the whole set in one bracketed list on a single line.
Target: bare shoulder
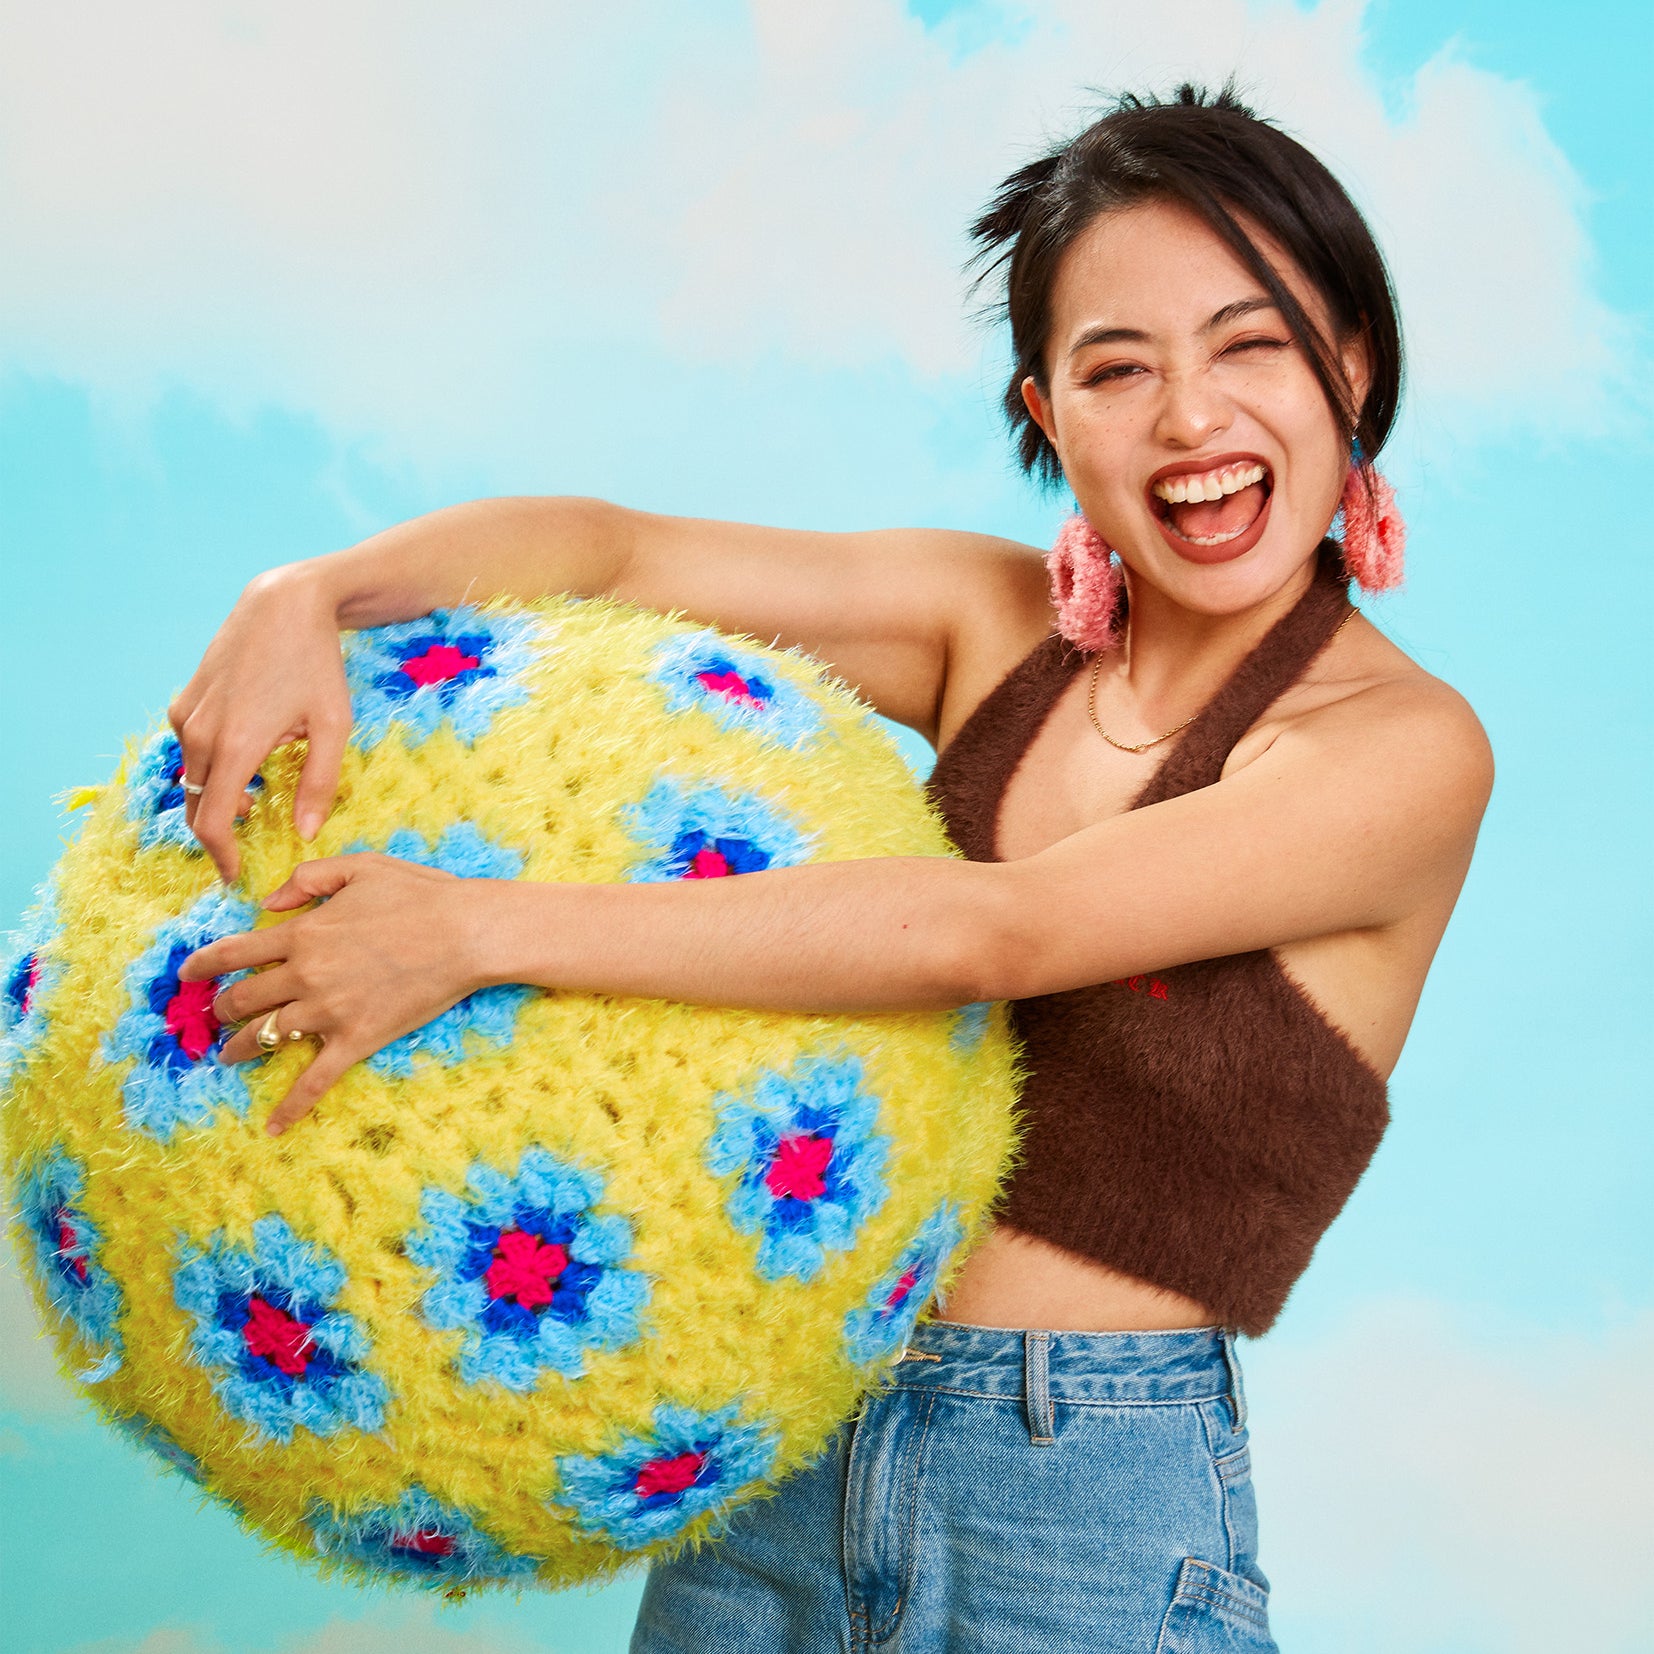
[(1368, 713)]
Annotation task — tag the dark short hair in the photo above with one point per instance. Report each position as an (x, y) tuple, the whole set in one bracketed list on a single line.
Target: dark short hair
[(1210, 152)]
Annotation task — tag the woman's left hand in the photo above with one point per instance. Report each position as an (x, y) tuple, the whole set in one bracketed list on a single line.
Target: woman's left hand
[(387, 949)]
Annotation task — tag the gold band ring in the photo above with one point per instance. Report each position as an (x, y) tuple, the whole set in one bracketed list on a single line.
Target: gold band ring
[(269, 1036)]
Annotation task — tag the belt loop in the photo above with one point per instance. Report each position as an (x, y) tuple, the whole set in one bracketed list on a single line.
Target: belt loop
[(1237, 1391), (1036, 1386)]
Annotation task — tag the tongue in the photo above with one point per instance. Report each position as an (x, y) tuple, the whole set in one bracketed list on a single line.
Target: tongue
[(1198, 520)]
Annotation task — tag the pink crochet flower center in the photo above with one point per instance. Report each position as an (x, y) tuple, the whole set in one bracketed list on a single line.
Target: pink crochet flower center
[(426, 1543), (901, 1289), (668, 1475), (190, 1018), (731, 685), (708, 864), (798, 1165), (438, 664), (67, 1240), (274, 1334), (525, 1268)]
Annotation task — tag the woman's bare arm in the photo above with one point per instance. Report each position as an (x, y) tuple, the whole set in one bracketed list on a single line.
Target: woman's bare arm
[(1358, 817), (885, 609)]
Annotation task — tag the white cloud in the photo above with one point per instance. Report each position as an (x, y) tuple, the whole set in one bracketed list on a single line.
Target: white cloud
[(1431, 1484), (439, 224)]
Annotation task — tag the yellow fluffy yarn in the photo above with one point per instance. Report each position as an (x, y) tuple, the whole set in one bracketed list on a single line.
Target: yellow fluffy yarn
[(353, 1334)]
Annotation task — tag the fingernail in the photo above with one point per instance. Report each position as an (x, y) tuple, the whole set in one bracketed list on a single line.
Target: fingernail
[(309, 824)]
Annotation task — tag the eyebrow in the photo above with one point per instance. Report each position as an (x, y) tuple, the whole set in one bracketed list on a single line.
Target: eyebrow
[(1135, 336)]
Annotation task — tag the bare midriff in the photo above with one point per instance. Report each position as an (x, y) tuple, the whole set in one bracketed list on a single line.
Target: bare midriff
[(1016, 1280)]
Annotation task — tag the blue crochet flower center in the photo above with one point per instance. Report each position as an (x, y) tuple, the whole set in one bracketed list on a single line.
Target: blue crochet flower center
[(741, 855)]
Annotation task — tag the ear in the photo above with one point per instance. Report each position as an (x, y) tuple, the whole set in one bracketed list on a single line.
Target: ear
[(1356, 359), (1039, 409)]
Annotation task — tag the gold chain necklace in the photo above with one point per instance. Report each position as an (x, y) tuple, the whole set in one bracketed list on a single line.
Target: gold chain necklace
[(1143, 746)]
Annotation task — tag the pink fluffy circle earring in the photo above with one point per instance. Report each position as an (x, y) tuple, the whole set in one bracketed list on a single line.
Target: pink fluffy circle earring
[(1086, 586), (1374, 534)]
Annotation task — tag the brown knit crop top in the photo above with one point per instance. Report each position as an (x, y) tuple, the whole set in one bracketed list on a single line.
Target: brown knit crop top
[(1199, 1127)]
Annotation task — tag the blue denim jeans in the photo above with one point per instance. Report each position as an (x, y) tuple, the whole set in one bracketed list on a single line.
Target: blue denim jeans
[(1015, 1493)]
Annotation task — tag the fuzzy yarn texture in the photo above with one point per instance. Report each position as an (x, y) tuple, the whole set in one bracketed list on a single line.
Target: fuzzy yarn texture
[(1086, 586), (1374, 534), (560, 1280)]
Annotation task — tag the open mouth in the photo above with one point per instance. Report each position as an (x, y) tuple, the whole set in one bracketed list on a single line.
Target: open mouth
[(1212, 509)]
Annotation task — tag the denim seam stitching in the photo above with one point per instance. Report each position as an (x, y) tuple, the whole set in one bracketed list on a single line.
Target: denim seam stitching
[(1202, 1596), (911, 1559), (1066, 1401), (1212, 1592)]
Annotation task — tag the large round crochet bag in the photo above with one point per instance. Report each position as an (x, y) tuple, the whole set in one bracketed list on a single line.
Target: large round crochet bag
[(556, 1281)]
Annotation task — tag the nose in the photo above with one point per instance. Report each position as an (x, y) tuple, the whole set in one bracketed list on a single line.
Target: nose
[(1192, 410)]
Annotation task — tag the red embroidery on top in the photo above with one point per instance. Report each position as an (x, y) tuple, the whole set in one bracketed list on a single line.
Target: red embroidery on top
[(190, 1019), (439, 663), (668, 1475), (731, 685), (798, 1166), (525, 1268), (1157, 988), (272, 1333)]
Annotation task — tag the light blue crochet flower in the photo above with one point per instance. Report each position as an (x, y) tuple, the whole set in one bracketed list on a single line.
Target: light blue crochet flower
[(421, 1540), (490, 1013), (279, 1354), (65, 1247), (169, 1030), (155, 794), (807, 1160), (529, 1268), (702, 832), (456, 668), (968, 1026), (700, 670), (650, 1488), (30, 973), (898, 1297)]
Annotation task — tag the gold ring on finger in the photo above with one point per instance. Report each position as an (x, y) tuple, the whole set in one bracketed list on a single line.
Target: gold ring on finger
[(194, 788), (269, 1036)]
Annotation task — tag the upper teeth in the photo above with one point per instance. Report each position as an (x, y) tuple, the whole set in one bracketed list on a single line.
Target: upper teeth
[(1208, 485)]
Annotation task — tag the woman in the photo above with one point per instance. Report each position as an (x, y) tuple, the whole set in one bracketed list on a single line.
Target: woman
[(1216, 824)]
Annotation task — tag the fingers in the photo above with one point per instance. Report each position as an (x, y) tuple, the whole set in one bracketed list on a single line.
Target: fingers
[(244, 1005), (244, 952), (313, 880), (325, 1068), (319, 782), (223, 773)]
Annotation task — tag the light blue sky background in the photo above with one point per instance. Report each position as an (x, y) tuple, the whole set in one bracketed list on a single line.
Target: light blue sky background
[(271, 284)]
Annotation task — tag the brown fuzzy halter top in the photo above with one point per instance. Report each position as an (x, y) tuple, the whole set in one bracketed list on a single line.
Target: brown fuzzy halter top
[(1199, 1127)]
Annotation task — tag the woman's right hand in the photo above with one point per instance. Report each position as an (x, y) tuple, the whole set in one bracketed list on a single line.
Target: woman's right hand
[(273, 673)]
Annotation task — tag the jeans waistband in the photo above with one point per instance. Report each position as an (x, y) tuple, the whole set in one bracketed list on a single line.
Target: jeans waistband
[(1188, 1364)]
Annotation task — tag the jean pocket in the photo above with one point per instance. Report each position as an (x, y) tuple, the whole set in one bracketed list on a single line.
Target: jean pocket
[(1215, 1612)]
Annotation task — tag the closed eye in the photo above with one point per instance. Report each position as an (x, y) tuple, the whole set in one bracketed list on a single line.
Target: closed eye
[(1256, 344), (1119, 370)]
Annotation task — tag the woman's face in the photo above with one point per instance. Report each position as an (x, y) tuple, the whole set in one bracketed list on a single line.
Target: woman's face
[(1189, 423)]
